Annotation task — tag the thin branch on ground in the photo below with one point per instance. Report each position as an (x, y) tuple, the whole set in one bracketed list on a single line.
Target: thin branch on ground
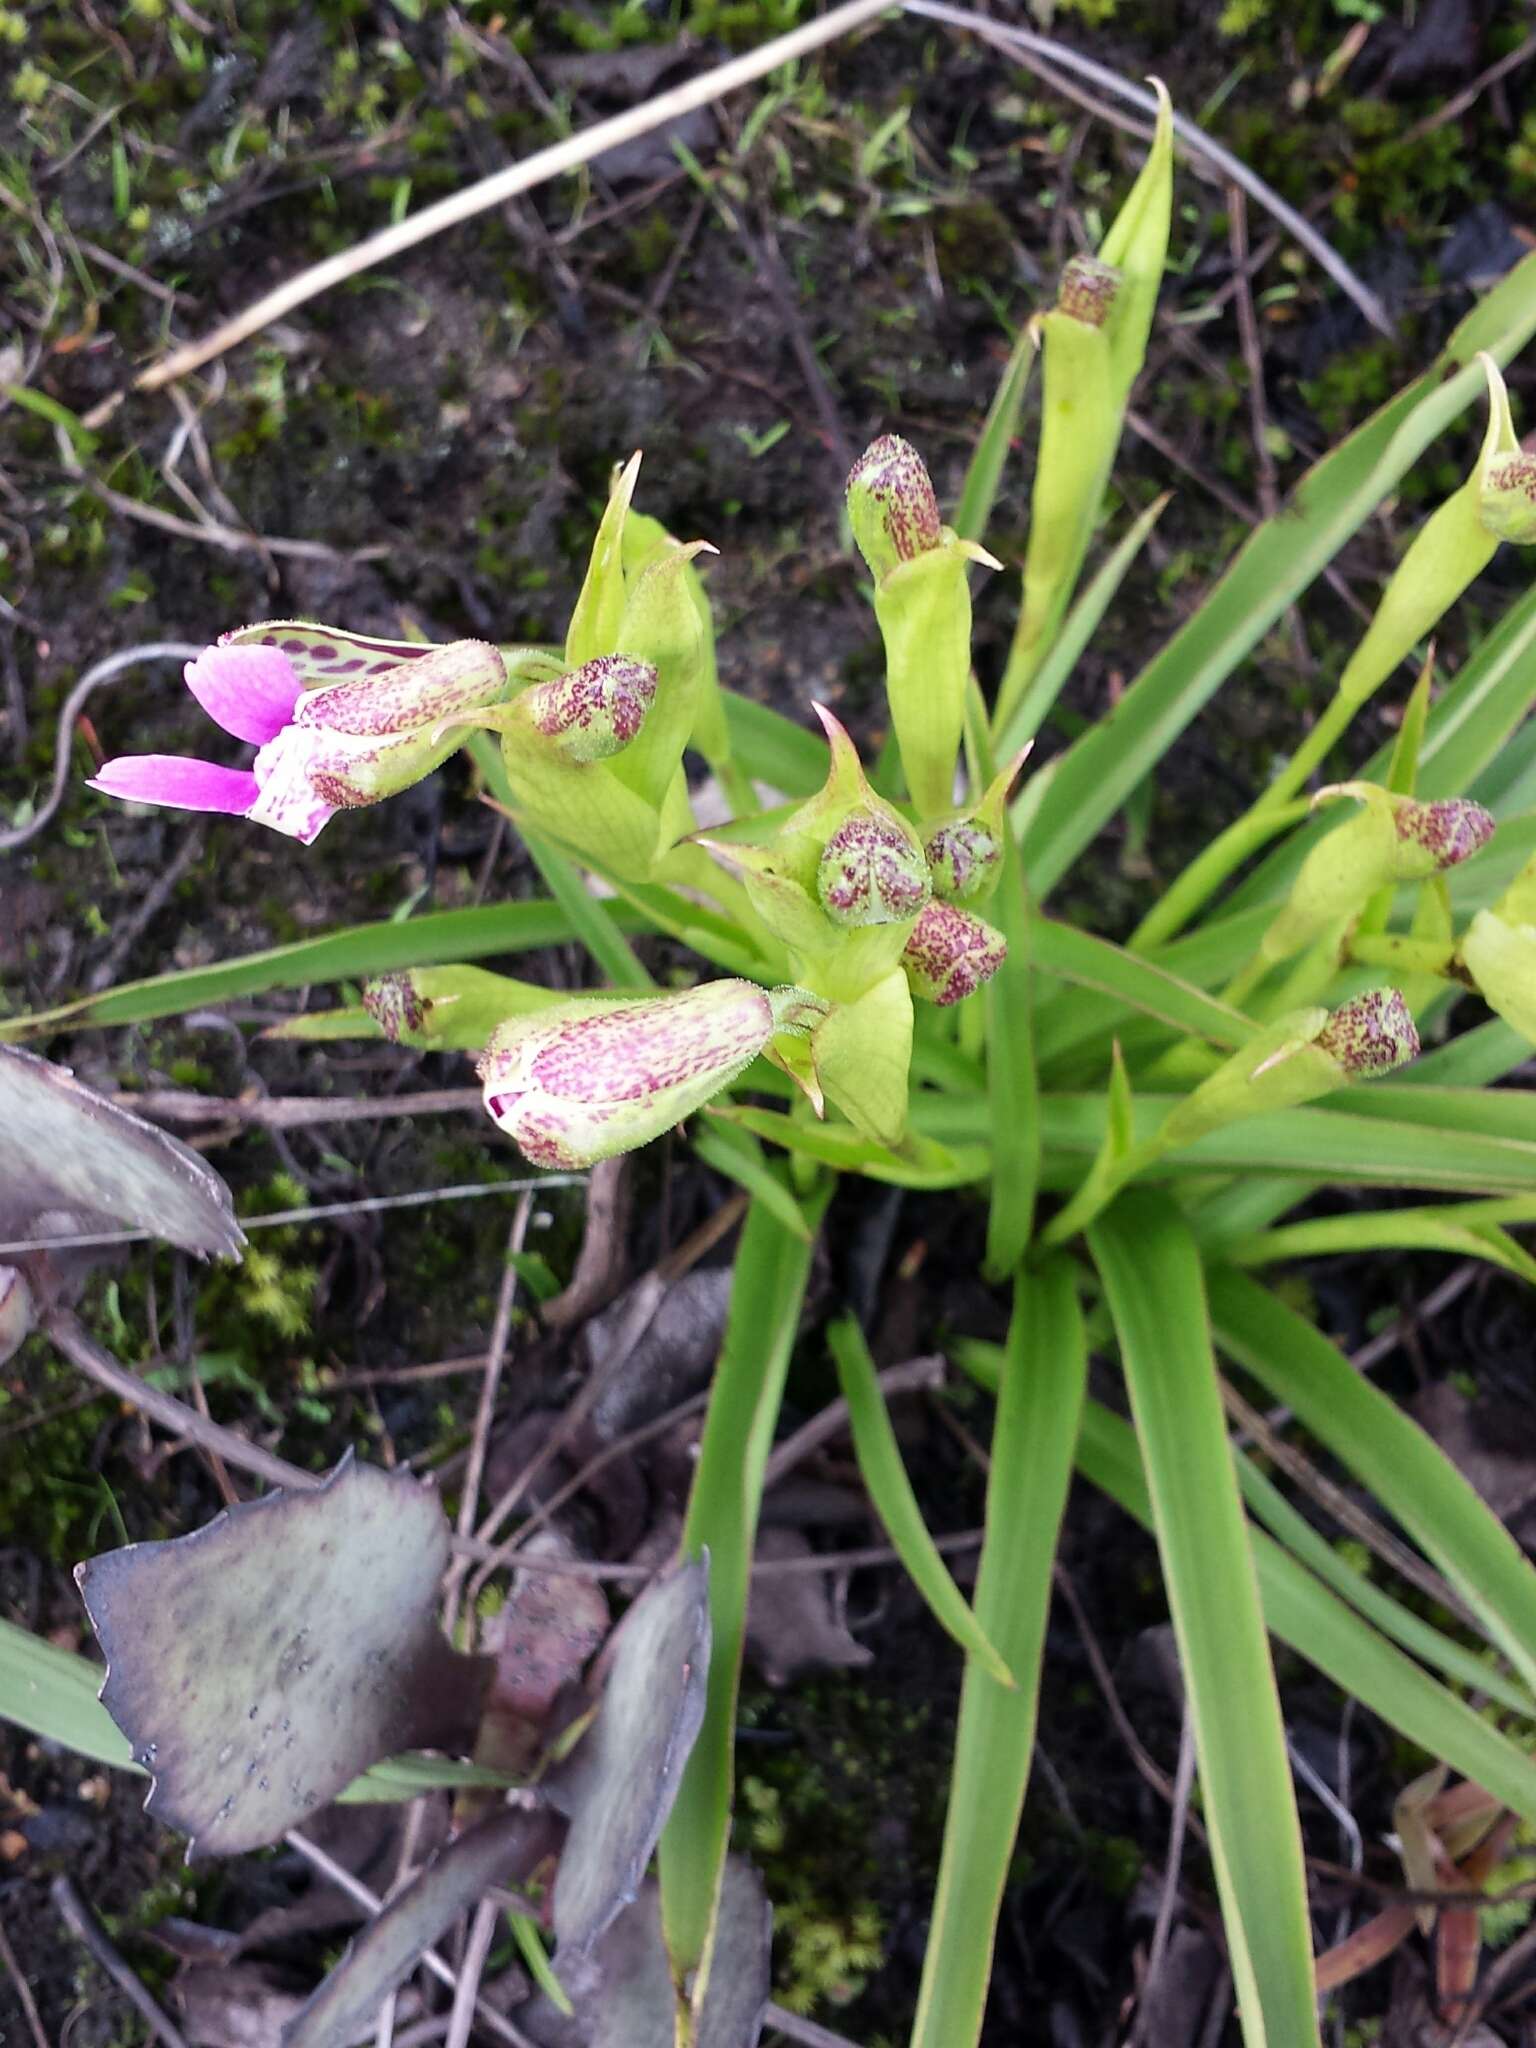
[(809, 2033), (1025, 45), (1168, 1898), (600, 1264), (24, 1996), (98, 673), (88, 1931), (485, 1410), (1453, 108), (1334, 1501)]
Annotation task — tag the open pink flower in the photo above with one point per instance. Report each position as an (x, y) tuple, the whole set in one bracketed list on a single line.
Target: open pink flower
[(337, 720)]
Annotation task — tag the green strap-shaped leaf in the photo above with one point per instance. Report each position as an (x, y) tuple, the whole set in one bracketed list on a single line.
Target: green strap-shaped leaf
[(1151, 1272), (1411, 1477), (772, 1266), (1303, 1613), (1041, 1398), (1279, 560), (890, 1493)]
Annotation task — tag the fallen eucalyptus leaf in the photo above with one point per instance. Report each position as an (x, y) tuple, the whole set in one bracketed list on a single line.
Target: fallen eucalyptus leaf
[(86, 1165), (623, 1991), (260, 1664), (502, 1850), (619, 1782)]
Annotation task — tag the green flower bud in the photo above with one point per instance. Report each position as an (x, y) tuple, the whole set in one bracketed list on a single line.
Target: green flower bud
[(965, 848), (1393, 839), (891, 505), (594, 711), (1296, 1059), (951, 954), (1507, 505), (591, 1078), (963, 858), (16, 1311), (872, 871), (1370, 1035), (1087, 290), (1500, 955)]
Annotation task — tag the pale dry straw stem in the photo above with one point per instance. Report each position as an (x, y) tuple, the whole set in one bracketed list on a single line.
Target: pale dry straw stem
[(92, 1936), (1168, 1897), (482, 1931), (24, 1996), (560, 157)]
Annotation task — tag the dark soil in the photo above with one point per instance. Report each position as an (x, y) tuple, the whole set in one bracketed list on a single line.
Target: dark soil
[(445, 428)]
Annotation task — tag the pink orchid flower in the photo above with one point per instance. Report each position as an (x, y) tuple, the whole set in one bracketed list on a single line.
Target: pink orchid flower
[(338, 720)]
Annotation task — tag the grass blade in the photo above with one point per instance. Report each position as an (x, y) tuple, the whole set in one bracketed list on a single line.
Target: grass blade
[(1275, 565), (890, 1492), (442, 936), (1013, 1088), (1389, 1453), (1303, 1613), (1466, 1229), (772, 1267), (1041, 1398), (591, 920), (985, 472), (1151, 1272)]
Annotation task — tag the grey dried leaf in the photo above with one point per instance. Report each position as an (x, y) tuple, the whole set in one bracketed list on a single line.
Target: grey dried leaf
[(260, 1664), (790, 1623), (68, 1149), (503, 1850), (619, 1782), (624, 1990)]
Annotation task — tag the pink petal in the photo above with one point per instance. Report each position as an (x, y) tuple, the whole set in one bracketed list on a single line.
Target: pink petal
[(174, 779), (289, 801), (250, 691)]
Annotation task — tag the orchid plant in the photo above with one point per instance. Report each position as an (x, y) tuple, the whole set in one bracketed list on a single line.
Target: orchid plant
[(1145, 1123)]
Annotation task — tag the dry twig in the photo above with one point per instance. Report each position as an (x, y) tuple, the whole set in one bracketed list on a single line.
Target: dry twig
[(88, 1931)]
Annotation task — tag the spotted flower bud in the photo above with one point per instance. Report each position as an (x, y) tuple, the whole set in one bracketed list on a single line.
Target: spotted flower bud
[(951, 954), (16, 1313), (1507, 502), (872, 871), (891, 505), (1087, 290), (593, 711), (592, 1077), (1370, 1035), (1445, 832), (963, 859)]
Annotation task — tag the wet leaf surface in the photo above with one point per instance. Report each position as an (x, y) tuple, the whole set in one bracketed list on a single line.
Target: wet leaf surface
[(624, 1993), (501, 1850), (619, 1782), (85, 1165), (260, 1664)]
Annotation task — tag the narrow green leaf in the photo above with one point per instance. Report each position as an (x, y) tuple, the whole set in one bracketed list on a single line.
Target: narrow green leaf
[(438, 938), (1041, 1399), (773, 749), (1411, 1477), (985, 471), (921, 1163), (735, 1152), (1012, 1085), (1303, 1613), (772, 1266), (890, 1492), (1467, 1230), (1151, 1272), (1276, 564)]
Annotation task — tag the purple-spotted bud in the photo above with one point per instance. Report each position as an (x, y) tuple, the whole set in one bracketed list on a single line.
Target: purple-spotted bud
[(16, 1311), (594, 711), (1506, 502), (1370, 1035), (1447, 832), (951, 954), (963, 858), (1088, 290), (593, 1077), (891, 505), (872, 870), (393, 1003)]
